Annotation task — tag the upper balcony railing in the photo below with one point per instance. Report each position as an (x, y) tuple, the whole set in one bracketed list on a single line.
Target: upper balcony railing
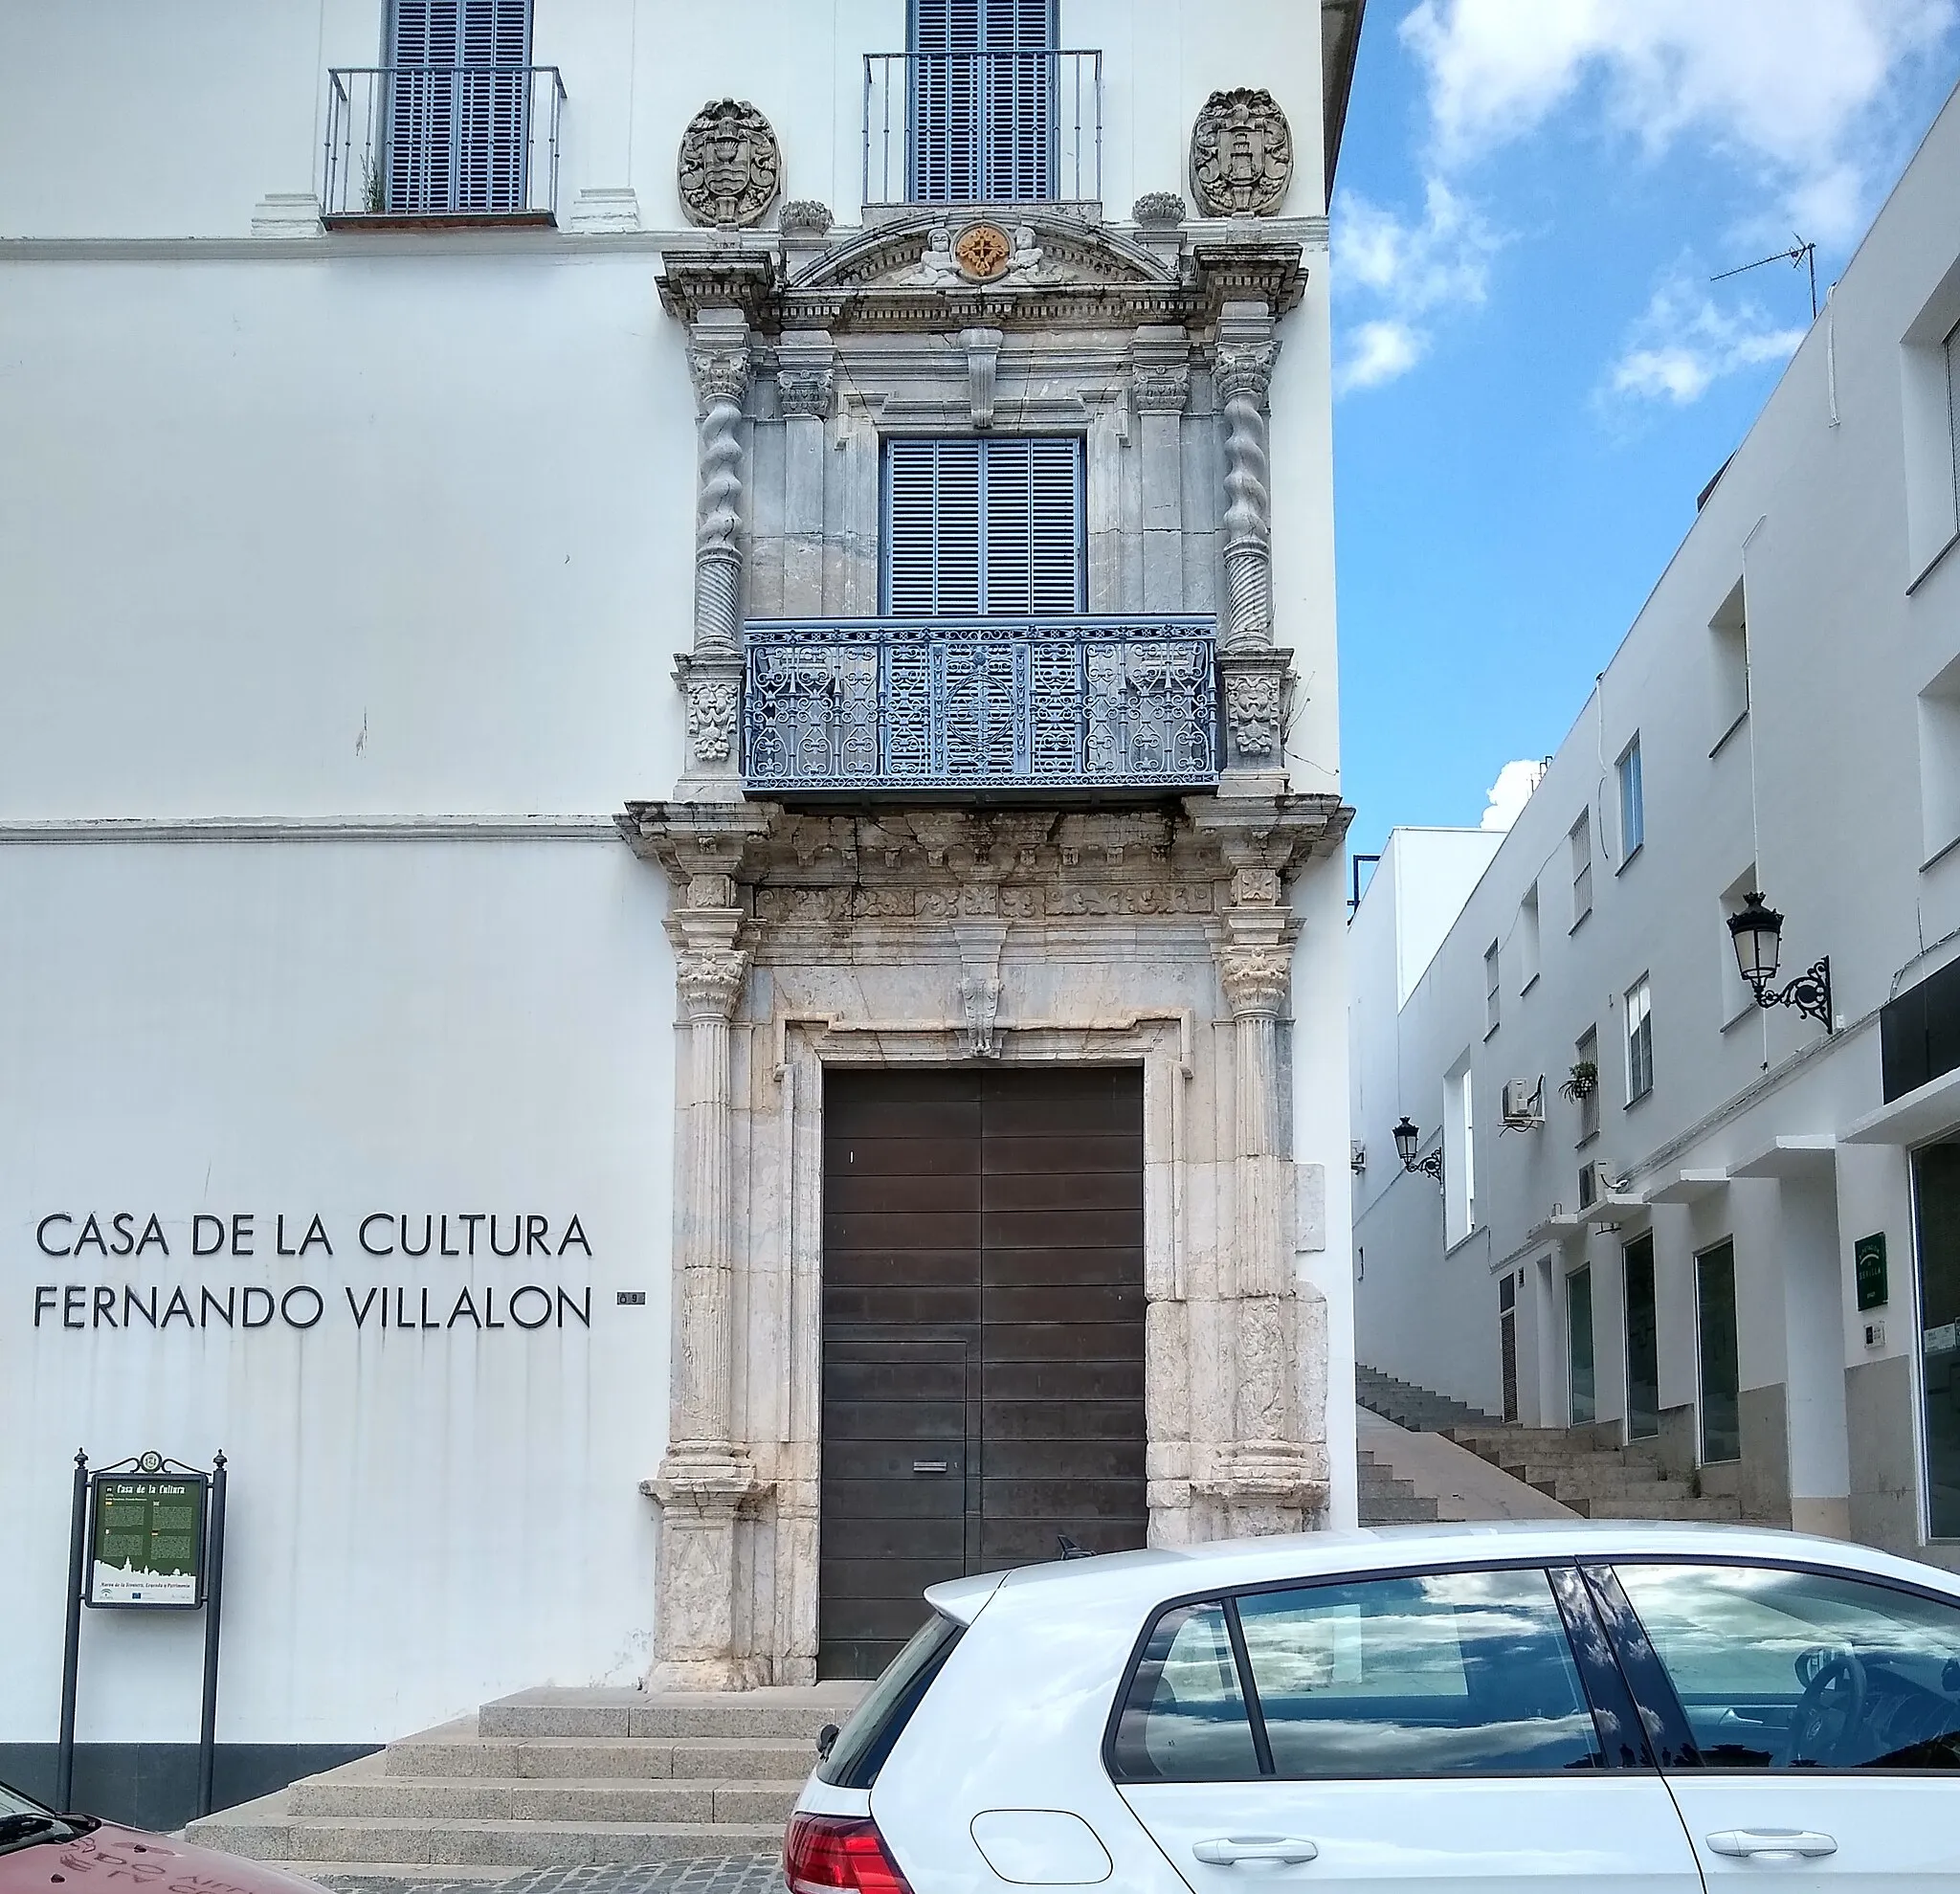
[(870, 705), (983, 128), (457, 142)]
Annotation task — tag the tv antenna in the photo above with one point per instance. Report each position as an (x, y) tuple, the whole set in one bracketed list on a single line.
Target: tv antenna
[(1801, 253)]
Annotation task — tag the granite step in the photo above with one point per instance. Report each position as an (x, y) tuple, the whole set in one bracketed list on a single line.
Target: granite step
[(570, 1798), (780, 1714), (771, 1759), (1721, 1512), (419, 1841)]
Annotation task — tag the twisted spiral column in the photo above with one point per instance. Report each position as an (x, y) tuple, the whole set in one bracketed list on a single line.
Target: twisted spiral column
[(1244, 373), (718, 357)]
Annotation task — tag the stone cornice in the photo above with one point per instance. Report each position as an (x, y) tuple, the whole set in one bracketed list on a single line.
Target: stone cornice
[(1104, 280)]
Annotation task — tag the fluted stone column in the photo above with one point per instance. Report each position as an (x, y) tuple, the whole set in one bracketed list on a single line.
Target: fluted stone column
[(706, 1478), (710, 675)]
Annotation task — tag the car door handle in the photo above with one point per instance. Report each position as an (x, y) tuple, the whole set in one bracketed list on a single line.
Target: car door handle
[(1775, 1844), (1227, 1851), (932, 1466)]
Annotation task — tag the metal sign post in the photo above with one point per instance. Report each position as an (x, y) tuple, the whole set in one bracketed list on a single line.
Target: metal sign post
[(145, 1534)]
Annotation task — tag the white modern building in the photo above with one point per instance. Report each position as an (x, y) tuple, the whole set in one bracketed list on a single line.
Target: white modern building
[(671, 934), (1664, 1209)]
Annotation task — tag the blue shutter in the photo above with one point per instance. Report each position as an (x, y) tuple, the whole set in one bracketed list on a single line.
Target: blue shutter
[(984, 526), (982, 106), (456, 140)]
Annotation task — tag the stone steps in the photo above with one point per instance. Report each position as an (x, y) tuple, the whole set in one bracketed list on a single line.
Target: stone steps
[(1383, 1500), (550, 1778), (1596, 1477)]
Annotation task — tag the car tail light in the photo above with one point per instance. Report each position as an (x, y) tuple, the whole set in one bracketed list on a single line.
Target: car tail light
[(825, 1853)]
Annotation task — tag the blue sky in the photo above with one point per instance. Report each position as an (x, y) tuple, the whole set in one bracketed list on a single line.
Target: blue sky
[(1534, 376)]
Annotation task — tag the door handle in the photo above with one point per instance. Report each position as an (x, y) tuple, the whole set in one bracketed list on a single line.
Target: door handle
[(1772, 1844), (1229, 1850), (932, 1466)]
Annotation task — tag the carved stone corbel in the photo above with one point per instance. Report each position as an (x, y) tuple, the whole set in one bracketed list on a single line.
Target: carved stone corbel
[(983, 359), (980, 944)]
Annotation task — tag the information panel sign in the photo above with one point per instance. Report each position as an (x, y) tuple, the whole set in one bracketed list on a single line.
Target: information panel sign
[(147, 1540), (1868, 1259)]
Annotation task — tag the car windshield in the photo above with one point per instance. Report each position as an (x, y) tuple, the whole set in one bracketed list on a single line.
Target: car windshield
[(13, 1803)]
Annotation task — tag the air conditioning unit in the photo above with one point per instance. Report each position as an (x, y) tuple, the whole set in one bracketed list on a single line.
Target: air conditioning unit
[(1523, 1103), (1596, 1181)]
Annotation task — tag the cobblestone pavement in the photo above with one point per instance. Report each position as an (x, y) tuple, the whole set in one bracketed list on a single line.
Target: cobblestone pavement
[(723, 1873)]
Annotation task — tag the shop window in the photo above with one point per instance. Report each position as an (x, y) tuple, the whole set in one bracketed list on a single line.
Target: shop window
[(1643, 1339), (1581, 1386), (1716, 1355), (1936, 1201)]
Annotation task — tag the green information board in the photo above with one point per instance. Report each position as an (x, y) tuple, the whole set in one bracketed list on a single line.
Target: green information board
[(1868, 1261), (147, 1540)]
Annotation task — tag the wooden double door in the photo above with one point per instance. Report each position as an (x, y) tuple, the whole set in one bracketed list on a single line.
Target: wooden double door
[(983, 1335)]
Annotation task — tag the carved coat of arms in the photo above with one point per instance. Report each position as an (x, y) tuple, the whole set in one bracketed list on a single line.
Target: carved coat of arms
[(1241, 154), (730, 166)]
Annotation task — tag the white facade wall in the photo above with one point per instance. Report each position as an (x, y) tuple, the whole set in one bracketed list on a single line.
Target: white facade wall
[(1831, 520), (344, 577)]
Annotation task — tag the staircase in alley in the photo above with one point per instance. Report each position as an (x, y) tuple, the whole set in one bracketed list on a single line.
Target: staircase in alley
[(549, 1778), (1574, 1465)]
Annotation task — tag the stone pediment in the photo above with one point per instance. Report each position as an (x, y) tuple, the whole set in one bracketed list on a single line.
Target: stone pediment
[(944, 248)]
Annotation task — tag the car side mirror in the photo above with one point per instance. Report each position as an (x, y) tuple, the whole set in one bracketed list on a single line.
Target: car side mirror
[(826, 1741)]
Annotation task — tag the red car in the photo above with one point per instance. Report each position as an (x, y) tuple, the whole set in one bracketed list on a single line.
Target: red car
[(40, 1850)]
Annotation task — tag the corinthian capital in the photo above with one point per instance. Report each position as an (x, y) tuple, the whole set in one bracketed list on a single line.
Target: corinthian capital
[(717, 360), (710, 981), (1255, 978), (1244, 369)]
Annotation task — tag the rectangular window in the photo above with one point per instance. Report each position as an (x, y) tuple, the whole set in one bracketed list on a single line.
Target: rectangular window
[(1585, 1074), (1728, 633), (1721, 1370), (1490, 988), (1460, 1159), (1632, 811), (1527, 939), (1640, 1039), (982, 109), (458, 106), (1581, 839), (1643, 1340), (1581, 1391), (984, 527)]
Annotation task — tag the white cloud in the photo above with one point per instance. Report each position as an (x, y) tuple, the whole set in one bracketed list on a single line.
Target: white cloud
[(1507, 797), (1408, 269), (1788, 85), (1684, 342)]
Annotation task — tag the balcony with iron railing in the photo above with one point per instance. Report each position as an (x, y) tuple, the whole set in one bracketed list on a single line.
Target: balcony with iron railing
[(1014, 127), (421, 144), (980, 705)]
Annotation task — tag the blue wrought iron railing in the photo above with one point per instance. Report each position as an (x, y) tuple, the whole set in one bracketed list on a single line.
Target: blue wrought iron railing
[(980, 703), (457, 141), (1010, 127)]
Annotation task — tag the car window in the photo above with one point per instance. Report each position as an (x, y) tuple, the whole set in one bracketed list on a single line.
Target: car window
[(1804, 1670), (882, 1713), (1184, 1716), (1444, 1674)]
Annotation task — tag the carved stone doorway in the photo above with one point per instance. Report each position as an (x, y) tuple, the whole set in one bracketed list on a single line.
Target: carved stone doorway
[(982, 1317)]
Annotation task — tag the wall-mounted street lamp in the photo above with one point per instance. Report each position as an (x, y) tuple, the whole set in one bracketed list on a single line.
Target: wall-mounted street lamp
[(1407, 1139), (1757, 932)]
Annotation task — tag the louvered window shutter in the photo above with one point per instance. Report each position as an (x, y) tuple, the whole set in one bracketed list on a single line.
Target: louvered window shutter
[(984, 527), (459, 104), (983, 113)]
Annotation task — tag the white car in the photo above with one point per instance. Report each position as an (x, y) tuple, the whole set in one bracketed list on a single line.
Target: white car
[(1629, 1708)]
